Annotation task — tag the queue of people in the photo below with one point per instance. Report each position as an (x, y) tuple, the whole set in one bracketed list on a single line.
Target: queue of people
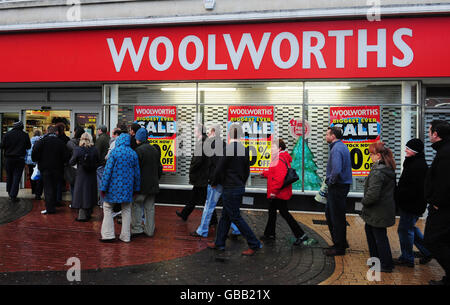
[(124, 170)]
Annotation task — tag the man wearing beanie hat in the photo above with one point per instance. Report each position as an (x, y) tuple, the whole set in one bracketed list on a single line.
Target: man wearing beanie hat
[(410, 198), (149, 163), (15, 144)]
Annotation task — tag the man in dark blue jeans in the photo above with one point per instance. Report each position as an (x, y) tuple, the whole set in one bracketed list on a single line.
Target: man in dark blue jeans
[(339, 178), (15, 144), (233, 170)]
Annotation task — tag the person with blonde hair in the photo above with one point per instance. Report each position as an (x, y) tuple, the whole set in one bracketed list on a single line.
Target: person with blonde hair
[(86, 158), (378, 210)]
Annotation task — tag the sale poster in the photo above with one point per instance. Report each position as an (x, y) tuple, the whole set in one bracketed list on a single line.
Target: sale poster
[(361, 127), (257, 126), (161, 125)]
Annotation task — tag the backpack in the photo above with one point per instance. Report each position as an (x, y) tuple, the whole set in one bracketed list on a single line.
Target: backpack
[(88, 161)]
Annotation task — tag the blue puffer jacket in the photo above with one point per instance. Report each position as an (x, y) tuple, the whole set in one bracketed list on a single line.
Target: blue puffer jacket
[(121, 176)]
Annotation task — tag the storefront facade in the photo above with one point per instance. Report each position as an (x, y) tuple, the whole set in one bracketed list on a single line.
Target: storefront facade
[(314, 72)]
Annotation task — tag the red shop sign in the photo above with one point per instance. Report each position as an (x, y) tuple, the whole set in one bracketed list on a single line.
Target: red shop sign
[(390, 48)]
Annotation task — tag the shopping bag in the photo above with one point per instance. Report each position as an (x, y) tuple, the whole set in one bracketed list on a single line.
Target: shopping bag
[(36, 175), (322, 194)]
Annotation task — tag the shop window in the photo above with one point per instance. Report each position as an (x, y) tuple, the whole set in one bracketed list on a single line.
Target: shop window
[(306, 102), (183, 97)]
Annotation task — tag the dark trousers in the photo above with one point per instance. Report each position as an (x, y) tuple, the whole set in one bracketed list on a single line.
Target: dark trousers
[(14, 169), (378, 242), (232, 199), (50, 180), (36, 185), (335, 214), (281, 205), (437, 237), (198, 198)]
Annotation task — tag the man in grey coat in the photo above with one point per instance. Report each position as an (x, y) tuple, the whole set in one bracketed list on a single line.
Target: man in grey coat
[(149, 163)]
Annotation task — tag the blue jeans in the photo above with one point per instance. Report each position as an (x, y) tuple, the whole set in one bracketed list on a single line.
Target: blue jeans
[(232, 199), (211, 201), (410, 235)]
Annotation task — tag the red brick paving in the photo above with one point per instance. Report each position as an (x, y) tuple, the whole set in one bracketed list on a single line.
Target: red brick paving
[(38, 242)]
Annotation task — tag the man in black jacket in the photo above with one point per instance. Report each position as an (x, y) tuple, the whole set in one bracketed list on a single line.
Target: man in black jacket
[(214, 148), (198, 174), (51, 154), (410, 199), (15, 144), (437, 194), (149, 164), (232, 171), (102, 145)]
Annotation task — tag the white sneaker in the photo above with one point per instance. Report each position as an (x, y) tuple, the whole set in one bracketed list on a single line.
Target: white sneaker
[(44, 212)]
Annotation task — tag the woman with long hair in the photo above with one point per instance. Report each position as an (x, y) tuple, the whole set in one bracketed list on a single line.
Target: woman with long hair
[(378, 210), (85, 156)]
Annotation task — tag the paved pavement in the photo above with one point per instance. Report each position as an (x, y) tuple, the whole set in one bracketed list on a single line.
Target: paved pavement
[(34, 249)]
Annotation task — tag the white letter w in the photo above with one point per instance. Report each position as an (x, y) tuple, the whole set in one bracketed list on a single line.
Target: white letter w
[(246, 41), (127, 45)]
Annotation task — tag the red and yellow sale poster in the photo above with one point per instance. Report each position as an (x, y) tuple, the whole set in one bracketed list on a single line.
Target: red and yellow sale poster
[(161, 125), (257, 126), (361, 127)]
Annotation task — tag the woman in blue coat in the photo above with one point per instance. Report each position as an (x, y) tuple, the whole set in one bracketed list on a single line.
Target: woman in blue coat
[(121, 179)]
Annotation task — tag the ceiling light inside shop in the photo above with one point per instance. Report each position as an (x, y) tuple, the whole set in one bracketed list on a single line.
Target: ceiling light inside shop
[(200, 89), (285, 88), (310, 87), (327, 87)]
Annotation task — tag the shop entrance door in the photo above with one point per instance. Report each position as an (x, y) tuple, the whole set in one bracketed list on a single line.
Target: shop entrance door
[(88, 121), (40, 120), (7, 120)]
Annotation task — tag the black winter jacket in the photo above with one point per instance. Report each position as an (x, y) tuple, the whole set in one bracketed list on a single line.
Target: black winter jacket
[(214, 155), (149, 164), (102, 145), (198, 169), (410, 195), (15, 143), (50, 153), (437, 182), (233, 169)]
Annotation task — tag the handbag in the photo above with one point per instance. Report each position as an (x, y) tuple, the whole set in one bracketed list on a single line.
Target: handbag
[(291, 176), (36, 175)]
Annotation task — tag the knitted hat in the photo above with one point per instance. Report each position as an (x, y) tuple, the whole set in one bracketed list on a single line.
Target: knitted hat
[(141, 134), (415, 145)]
